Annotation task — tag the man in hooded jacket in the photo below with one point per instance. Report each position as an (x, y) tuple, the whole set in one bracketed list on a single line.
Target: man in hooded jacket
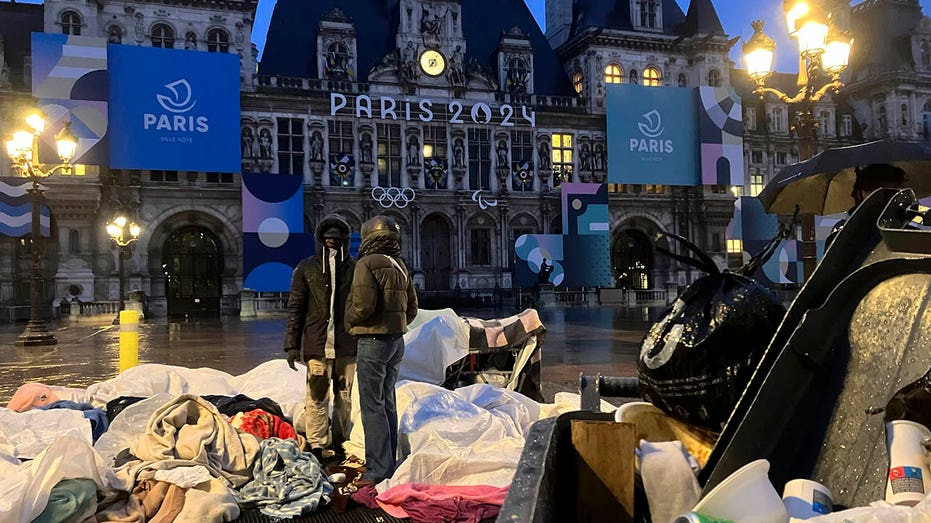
[(381, 304), (315, 333)]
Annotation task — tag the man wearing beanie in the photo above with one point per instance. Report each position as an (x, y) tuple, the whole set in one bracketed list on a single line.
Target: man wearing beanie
[(381, 304), (315, 334)]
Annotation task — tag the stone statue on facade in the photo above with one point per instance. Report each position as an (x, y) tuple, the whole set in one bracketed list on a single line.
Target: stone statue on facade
[(457, 76), (458, 154), (190, 42), (366, 148), (316, 147), (502, 155), (599, 157), (139, 26), (545, 157), (240, 36), (585, 158), (248, 143), (265, 144), (413, 151), (432, 25)]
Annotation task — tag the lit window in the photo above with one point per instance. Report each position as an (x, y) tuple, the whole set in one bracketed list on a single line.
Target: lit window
[(613, 74), (562, 158), (71, 23), (163, 36), (735, 246), (652, 77), (577, 82), (756, 184), (218, 41)]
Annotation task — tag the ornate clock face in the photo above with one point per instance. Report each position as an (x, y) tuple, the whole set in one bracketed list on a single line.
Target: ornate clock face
[(432, 62)]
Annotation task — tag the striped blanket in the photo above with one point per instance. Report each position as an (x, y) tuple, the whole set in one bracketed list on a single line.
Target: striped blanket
[(496, 334)]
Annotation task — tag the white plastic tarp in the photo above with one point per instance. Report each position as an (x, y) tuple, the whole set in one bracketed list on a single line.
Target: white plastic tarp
[(434, 341), (26, 434)]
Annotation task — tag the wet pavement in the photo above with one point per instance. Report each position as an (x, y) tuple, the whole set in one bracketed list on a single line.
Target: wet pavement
[(590, 340)]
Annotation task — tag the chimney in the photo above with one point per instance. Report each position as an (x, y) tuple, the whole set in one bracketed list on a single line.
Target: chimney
[(558, 21)]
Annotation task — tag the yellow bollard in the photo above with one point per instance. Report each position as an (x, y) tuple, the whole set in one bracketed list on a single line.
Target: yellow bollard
[(129, 339)]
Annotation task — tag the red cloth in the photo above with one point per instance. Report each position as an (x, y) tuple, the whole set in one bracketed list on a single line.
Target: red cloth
[(440, 503), (263, 425)]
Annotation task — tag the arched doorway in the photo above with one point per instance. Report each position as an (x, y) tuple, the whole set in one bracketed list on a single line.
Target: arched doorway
[(193, 263), (632, 260), (435, 253)]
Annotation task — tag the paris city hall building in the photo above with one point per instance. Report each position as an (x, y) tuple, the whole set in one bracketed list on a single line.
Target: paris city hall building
[(460, 118)]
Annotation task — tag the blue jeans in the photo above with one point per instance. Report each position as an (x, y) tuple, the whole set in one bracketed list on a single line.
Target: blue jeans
[(377, 363)]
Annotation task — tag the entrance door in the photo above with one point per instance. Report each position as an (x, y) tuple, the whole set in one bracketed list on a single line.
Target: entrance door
[(193, 264), (434, 253), (632, 260)]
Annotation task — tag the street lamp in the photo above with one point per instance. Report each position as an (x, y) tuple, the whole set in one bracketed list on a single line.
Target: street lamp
[(824, 52), (123, 232), (23, 150)]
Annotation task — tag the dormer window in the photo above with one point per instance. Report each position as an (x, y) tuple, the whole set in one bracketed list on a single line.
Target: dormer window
[(714, 78), (577, 82), (71, 23), (648, 13), (925, 54), (337, 61), (518, 76)]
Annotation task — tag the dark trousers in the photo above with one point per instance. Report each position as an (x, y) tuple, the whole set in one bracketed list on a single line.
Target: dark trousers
[(377, 363)]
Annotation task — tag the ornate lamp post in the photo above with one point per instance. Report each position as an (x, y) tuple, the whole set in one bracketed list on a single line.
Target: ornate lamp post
[(824, 51), (123, 232), (23, 150)]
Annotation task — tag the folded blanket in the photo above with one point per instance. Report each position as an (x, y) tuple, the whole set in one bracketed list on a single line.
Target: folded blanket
[(496, 334), (436, 503), (70, 500), (288, 483), (190, 428), (150, 502)]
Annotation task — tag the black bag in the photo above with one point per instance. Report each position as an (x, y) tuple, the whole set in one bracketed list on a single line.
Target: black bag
[(697, 359)]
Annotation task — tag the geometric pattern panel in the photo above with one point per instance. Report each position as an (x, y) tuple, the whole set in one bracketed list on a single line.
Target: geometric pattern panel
[(720, 124), (274, 241)]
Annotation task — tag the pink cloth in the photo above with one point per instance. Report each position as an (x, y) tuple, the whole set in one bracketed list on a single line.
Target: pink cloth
[(441, 503), (30, 396)]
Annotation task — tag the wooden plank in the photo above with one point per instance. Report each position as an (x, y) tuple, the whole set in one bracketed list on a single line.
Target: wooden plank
[(605, 470)]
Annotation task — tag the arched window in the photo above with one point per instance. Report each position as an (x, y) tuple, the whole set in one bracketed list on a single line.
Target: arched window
[(714, 78), (925, 54), (218, 41), (613, 74), (74, 242), (518, 76), (71, 23), (337, 61), (163, 36), (683, 80), (577, 82), (652, 77), (115, 34), (904, 115), (632, 76)]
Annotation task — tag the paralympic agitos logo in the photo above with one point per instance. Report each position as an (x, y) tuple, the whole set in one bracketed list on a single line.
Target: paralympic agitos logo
[(177, 104)]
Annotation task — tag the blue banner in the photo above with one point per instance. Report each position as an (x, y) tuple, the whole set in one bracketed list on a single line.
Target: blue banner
[(173, 110), (16, 209), (652, 135)]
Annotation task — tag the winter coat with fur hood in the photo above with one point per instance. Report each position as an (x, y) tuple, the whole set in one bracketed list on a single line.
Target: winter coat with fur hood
[(309, 302)]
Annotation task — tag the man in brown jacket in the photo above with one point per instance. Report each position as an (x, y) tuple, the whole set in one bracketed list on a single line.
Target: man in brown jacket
[(382, 302)]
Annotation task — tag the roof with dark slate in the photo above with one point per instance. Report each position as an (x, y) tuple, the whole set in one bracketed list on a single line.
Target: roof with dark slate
[(615, 14), (17, 23), (291, 45), (883, 36), (702, 19)]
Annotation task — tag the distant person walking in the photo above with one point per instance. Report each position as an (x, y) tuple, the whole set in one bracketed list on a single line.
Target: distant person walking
[(382, 303), (316, 334)]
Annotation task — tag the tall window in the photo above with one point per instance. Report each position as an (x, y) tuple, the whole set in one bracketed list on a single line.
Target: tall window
[(479, 159), (882, 123), (683, 80), (71, 23), (341, 138), (777, 121), (750, 118), (735, 246), (522, 153), (632, 76), (480, 243), (577, 82), (74, 242), (290, 146), (846, 128), (782, 158), (714, 78), (925, 54), (163, 176), (613, 74), (389, 155), (905, 119), (562, 158), (824, 123), (163, 36), (756, 184), (648, 13), (434, 142), (756, 156), (218, 41), (652, 77), (518, 76)]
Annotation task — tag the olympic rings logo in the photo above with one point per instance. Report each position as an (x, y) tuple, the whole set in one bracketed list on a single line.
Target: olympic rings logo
[(393, 196)]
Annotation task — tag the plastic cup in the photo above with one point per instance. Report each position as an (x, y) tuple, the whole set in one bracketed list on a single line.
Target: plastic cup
[(746, 496), (909, 479), (806, 499)]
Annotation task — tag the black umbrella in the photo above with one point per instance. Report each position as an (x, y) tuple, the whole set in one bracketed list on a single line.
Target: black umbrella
[(823, 184)]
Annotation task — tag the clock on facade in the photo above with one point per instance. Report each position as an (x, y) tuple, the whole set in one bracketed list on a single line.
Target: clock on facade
[(432, 62)]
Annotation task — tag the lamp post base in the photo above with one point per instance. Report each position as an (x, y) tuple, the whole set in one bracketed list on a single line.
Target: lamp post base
[(36, 334), (116, 321)]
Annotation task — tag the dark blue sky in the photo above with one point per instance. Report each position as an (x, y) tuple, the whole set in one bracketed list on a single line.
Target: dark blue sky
[(736, 16)]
